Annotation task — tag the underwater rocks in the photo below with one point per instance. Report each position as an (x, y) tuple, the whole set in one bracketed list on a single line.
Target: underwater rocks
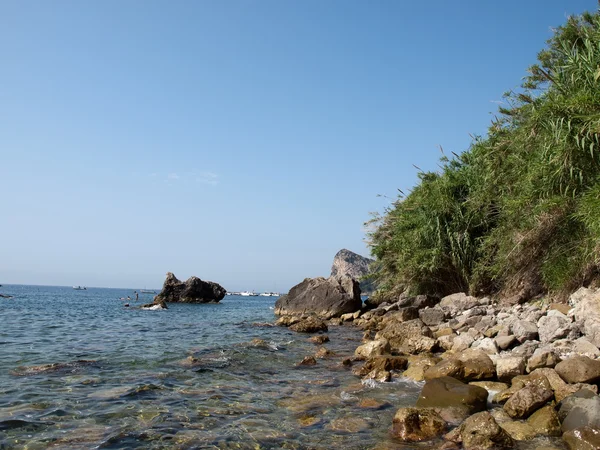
[(194, 290)]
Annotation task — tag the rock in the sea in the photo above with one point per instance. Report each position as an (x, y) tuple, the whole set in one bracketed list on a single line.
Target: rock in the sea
[(447, 392), (350, 264), (584, 438), (482, 432), (309, 324), (417, 424), (372, 348), (325, 297), (545, 421), (158, 305), (194, 290)]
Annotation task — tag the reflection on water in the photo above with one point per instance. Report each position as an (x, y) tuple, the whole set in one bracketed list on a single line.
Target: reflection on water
[(78, 369)]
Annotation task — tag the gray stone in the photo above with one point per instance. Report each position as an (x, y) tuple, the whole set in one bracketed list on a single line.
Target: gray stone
[(432, 316), (524, 331), (585, 412), (459, 302), (350, 264), (487, 345), (553, 327), (506, 342)]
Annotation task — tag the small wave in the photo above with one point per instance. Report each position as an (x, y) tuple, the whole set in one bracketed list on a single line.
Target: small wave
[(71, 367), (345, 396), (371, 383)]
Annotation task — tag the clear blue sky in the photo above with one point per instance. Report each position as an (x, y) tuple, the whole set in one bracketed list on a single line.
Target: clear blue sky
[(244, 142)]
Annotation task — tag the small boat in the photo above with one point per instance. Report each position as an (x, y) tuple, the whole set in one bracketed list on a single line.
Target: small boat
[(146, 291), (248, 294), (80, 288)]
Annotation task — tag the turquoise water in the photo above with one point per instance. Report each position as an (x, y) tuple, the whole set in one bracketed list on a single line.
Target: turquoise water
[(194, 376)]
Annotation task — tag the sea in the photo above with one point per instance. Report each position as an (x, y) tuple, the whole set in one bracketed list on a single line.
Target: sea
[(80, 370)]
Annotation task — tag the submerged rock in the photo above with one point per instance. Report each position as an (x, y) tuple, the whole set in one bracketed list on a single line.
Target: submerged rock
[(447, 392), (309, 325), (70, 367)]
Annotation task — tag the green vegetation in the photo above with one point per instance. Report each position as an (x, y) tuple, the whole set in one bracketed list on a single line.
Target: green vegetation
[(518, 213)]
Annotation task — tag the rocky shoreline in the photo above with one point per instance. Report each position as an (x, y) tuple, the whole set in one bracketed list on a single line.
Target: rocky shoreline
[(493, 374)]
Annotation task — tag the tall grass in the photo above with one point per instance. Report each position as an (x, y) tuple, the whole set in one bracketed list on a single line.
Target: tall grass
[(519, 211)]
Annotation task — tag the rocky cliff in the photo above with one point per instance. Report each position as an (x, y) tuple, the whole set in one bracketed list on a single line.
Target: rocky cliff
[(353, 265)]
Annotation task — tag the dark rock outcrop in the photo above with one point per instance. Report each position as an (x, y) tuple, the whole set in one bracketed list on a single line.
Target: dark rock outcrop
[(194, 290), (350, 264), (325, 297)]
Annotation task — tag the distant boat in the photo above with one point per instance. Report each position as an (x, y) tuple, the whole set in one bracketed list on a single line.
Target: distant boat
[(80, 288), (248, 294), (146, 291)]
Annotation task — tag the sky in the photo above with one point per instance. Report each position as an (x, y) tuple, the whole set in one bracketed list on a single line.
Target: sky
[(244, 142)]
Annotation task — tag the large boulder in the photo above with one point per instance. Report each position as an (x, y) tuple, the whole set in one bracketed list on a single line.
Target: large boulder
[(579, 369), (325, 297), (194, 290), (350, 264), (586, 311), (448, 392)]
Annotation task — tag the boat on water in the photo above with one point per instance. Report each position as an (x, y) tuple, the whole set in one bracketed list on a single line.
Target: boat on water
[(147, 291), (269, 294), (80, 288), (248, 294)]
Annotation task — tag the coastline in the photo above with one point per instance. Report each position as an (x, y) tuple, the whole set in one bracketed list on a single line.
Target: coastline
[(535, 365)]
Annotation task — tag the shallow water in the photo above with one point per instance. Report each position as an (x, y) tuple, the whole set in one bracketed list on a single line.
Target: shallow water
[(80, 370)]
